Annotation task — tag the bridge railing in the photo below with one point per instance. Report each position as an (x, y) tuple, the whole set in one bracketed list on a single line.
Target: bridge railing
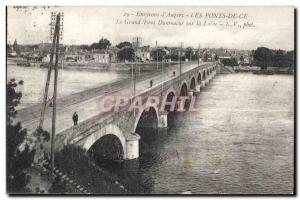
[(155, 89)]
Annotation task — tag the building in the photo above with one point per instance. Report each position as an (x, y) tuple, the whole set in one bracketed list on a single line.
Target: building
[(144, 53), (83, 57), (100, 58)]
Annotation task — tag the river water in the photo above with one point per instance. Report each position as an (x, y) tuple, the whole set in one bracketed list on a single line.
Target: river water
[(241, 141), (70, 81)]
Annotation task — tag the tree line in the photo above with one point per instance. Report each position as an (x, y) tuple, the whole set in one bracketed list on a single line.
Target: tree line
[(264, 57)]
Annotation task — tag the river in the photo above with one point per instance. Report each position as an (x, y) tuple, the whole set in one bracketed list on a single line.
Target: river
[(240, 142), (70, 81)]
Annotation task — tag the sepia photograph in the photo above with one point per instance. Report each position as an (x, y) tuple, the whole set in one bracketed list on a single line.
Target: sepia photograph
[(150, 100)]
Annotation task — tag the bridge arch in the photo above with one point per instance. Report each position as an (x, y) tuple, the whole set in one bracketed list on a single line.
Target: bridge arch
[(204, 75), (170, 90), (169, 98), (148, 117), (193, 84), (109, 136), (199, 78), (146, 127), (184, 89), (170, 94)]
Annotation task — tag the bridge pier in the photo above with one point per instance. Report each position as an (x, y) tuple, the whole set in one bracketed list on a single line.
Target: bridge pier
[(203, 83), (206, 80), (132, 147), (209, 77), (163, 119), (191, 93), (198, 89)]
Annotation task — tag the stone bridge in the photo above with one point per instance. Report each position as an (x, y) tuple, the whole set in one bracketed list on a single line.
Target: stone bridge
[(123, 124)]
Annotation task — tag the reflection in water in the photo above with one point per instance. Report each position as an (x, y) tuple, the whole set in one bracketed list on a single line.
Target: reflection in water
[(240, 142)]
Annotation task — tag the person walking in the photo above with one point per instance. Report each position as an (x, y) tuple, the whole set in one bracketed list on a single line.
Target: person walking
[(75, 118)]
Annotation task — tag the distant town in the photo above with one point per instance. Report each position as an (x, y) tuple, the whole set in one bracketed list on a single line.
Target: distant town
[(104, 55)]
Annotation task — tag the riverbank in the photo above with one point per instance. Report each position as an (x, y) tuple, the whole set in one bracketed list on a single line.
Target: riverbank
[(257, 70), (72, 178), (116, 67), (76, 163)]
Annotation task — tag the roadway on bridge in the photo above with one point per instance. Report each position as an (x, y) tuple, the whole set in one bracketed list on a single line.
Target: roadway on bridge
[(91, 107)]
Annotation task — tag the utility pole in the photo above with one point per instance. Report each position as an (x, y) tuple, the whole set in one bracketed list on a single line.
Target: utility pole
[(162, 73), (139, 54), (133, 76), (156, 56), (136, 40), (180, 61), (62, 70), (132, 82), (55, 90), (198, 54), (53, 34)]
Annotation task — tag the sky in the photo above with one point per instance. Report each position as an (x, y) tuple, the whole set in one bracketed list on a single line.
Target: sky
[(273, 26)]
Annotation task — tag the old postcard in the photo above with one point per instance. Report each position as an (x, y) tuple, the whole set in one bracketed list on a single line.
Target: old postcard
[(181, 100)]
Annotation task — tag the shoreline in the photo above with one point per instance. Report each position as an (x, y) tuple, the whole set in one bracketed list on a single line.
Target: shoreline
[(113, 67)]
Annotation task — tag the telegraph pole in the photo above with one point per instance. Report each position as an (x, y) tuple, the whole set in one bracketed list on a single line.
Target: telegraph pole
[(180, 61), (198, 54), (57, 27), (53, 34), (139, 54), (135, 39), (162, 73), (156, 56), (62, 70)]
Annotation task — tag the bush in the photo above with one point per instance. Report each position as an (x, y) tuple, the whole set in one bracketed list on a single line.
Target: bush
[(18, 154)]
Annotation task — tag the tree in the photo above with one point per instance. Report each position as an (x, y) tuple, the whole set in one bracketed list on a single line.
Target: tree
[(83, 47), (158, 54), (279, 58), (16, 47), (262, 57), (17, 159), (205, 56), (229, 62), (124, 44), (242, 58), (94, 45), (290, 59), (8, 49), (102, 44), (189, 52), (174, 56), (19, 153), (126, 53)]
